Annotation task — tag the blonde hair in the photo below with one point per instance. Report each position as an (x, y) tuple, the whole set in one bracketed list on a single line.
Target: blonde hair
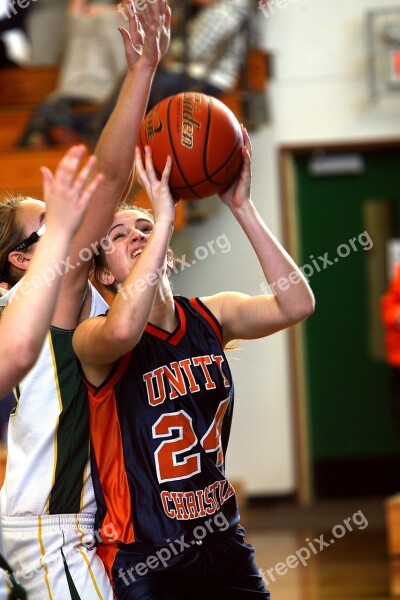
[(11, 232)]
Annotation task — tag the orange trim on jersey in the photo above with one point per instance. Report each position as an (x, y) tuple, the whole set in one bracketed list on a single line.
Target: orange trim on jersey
[(103, 390), (178, 335), (105, 432), (160, 333), (206, 315), (172, 338)]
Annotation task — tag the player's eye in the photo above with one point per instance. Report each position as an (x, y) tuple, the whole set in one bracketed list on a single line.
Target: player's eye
[(119, 235)]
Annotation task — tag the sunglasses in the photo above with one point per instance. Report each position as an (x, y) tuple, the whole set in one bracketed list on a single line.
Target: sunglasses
[(29, 241)]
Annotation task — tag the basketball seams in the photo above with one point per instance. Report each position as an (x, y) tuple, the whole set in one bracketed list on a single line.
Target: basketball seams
[(224, 164), (209, 177), (220, 168), (214, 140), (171, 142), (206, 138)]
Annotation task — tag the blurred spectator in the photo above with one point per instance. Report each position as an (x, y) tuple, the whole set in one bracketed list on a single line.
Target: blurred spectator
[(208, 52), (93, 61)]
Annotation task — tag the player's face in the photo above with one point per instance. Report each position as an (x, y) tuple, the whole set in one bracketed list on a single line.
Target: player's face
[(127, 236)]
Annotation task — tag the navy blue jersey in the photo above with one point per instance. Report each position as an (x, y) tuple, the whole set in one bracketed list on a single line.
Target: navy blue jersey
[(160, 426)]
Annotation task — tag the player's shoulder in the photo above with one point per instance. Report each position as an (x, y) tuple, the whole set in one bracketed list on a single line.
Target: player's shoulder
[(216, 302)]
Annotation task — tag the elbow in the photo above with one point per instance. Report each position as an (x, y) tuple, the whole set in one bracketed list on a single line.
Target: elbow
[(116, 174), (120, 336), (308, 307), (303, 310)]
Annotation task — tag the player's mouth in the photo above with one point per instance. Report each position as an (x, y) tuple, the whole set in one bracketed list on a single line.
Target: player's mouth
[(137, 252)]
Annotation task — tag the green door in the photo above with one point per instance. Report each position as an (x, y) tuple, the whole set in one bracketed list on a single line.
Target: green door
[(353, 441)]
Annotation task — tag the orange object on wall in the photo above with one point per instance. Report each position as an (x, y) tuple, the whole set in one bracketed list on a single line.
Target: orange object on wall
[(390, 313)]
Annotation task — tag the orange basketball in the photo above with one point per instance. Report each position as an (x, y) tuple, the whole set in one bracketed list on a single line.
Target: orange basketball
[(202, 136)]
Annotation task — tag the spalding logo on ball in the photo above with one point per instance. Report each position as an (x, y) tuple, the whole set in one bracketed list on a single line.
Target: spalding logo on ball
[(204, 139)]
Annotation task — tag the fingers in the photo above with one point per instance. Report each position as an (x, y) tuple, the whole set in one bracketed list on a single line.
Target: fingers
[(152, 11), (151, 173), (167, 171), (69, 164), (146, 171), (247, 153), (149, 31), (167, 20), (82, 177), (47, 180), (140, 170), (47, 175), (67, 173), (152, 14), (149, 166), (245, 174), (135, 27), (133, 49), (147, 174), (70, 178), (133, 39), (247, 141)]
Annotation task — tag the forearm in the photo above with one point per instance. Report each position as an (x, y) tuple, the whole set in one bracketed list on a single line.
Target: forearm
[(285, 280), (145, 44), (116, 145), (24, 324), (115, 155)]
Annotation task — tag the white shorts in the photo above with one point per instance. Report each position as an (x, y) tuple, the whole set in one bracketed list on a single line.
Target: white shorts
[(54, 557)]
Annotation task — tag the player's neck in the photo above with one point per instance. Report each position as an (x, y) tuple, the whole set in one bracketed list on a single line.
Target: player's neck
[(163, 312)]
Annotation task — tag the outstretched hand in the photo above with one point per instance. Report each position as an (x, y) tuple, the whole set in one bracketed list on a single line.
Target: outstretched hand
[(158, 191), (240, 191), (68, 192), (149, 32)]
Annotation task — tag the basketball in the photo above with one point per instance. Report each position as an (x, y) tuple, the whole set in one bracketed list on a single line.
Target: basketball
[(204, 139)]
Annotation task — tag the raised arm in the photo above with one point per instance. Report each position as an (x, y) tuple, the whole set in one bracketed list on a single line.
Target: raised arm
[(145, 43), (291, 299), (27, 316), (99, 342)]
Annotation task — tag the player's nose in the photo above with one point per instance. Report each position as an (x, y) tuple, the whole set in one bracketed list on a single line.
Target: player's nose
[(137, 235)]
